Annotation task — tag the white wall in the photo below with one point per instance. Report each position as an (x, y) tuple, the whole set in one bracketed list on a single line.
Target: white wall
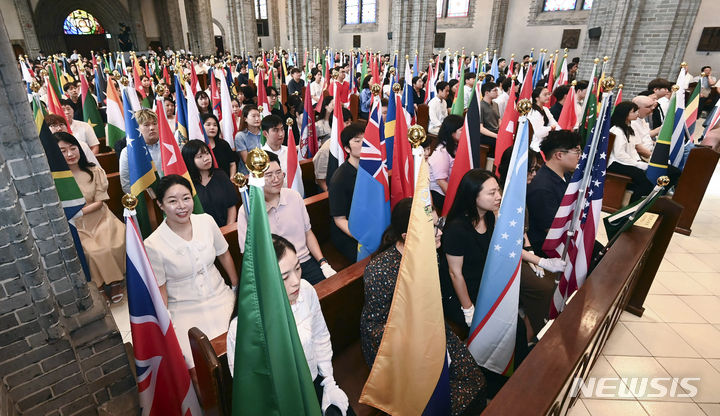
[(473, 39), (375, 40), (9, 15), (708, 15), (152, 29)]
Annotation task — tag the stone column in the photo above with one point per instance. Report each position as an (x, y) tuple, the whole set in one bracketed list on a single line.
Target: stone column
[(169, 20), (413, 27), (60, 351), (25, 16), (644, 40), (308, 24), (498, 20), (138, 25), (200, 27), (244, 31)]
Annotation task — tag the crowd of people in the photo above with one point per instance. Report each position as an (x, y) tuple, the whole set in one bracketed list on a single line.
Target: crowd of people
[(184, 247)]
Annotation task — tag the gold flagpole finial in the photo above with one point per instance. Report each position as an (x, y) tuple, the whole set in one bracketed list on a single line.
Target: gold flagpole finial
[(416, 135), (257, 162)]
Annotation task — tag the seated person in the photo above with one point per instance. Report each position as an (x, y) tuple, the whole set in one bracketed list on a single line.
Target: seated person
[(540, 117), (320, 160), (468, 88), (148, 126), (296, 83), (288, 218), (545, 193), (251, 137), (560, 94), (80, 129), (438, 107), (101, 234), (441, 160), (624, 158), (214, 189), (72, 93), (489, 121), (224, 156), (312, 331), (341, 189), (640, 126), (57, 124), (274, 129), (467, 383)]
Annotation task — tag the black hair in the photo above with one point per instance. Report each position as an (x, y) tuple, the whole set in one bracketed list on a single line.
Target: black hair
[(450, 125), (83, 163), (70, 84), (464, 205), (487, 87), (703, 68), (248, 108), (441, 85), (506, 84), (201, 94), (66, 101), (559, 140), (167, 181), (313, 72), (270, 121), (353, 130), (452, 83), (273, 157), (535, 94), (561, 91), (205, 117), (619, 117), (399, 220), (271, 88), (248, 93), (366, 82), (281, 245), (502, 170), (296, 103), (415, 79), (170, 98), (295, 70), (189, 151), (470, 75), (582, 85), (659, 83)]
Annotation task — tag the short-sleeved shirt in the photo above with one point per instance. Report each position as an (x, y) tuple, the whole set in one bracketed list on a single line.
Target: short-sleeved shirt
[(340, 195), (289, 219), (246, 141), (84, 133), (544, 195), (293, 87), (320, 161), (224, 155), (489, 116), (461, 239), (441, 164), (217, 196)]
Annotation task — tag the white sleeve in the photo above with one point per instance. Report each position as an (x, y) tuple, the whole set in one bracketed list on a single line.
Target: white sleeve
[(620, 149), (124, 171), (320, 336), (230, 345)]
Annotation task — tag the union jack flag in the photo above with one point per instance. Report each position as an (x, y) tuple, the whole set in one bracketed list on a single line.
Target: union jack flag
[(582, 225), (163, 380)]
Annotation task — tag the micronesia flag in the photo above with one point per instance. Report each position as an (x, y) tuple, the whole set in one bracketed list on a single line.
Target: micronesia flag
[(492, 333), (371, 215), (163, 380)]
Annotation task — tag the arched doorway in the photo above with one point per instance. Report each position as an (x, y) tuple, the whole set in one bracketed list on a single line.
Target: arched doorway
[(84, 33)]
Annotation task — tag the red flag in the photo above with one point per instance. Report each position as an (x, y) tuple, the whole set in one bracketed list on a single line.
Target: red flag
[(463, 163), (83, 87), (166, 75), (292, 160), (309, 132), (263, 104), (172, 161), (618, 99), (402, 182), (215, 96), (551, 86), (147, 70), (568, 117), (526, 90), (508, 126), (53, 104), (194, 83)]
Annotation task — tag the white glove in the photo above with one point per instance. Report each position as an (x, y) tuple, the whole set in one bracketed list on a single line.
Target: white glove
[(327, 270), (469, 312), (333, 395), (539, 271), (552, 265), (234, 289)]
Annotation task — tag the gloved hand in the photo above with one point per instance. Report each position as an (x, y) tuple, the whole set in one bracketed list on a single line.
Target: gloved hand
[(327, 270), (469, 312), (539, 271), (552, 265), (333, 395), (234, 289)]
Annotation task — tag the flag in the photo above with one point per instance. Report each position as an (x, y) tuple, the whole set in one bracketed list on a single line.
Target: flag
[(194, 83), (458, 105), (626, 217), (294, 174), (163, 380), (263, 103), (492, 332), (337, 153), (140, 165), (91, 113), (410, 374), (308, 132), (677, 142), (403, 177), (388, 142), (271, 374), (568, 118), (713, 118), (618, 99), (69, 193), (583, 223), (39, 112), (691, 110), (214, 95), (430, 89), (506, 131), (194, 126), (494, 70), (115, 121), (227, 125), (181, 112), (370, 217), (462, 164), (658, 164), (527, 88), (589, 115), (537, 75)]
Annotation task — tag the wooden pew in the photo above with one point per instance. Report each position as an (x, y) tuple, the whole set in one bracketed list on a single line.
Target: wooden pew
[(573, 343), (318, 208), (109, 161), (283, 94), (341, 299), (115, 193), (693, 182), (615, 186), (423, 116), (354, 106), (308, 178)]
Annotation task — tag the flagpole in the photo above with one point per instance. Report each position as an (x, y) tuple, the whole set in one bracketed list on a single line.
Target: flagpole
[(608, 86), (240, 180), (416, 136), (589, 90)]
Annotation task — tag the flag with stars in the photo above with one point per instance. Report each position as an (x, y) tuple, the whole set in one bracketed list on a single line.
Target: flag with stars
[(140, 164), (91, 114), (579, 250), (492, 332)]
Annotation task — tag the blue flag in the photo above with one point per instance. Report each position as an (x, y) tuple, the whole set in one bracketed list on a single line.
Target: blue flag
[(181, 113), (140, 164), (389, 128)]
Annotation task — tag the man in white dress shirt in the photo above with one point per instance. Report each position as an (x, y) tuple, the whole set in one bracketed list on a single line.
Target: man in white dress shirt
[(437, 107)]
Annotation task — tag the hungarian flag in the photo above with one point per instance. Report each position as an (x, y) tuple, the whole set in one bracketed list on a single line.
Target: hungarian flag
[(568, 117), (271, 375), (115, 121), (91, 114), (506, 131), (402, 180)]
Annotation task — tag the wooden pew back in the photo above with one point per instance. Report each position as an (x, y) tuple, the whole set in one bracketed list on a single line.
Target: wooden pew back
[(318, 208), (308, 177), (115, 193), (615, 185), (109, 161), (693, 182), (354, 106), (423, 116)]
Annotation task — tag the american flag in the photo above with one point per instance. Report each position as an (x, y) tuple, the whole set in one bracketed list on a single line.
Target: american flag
[(579, 250)]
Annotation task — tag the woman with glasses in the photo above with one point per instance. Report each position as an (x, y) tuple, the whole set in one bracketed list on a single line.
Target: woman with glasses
[(624, 158), (467, 384)]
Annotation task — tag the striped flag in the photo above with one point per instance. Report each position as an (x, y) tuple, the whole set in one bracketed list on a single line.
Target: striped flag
[(294, 174), (140, 165), (492, 332), (115, 121), (506, 132), (691, 110), (402, 181), (463, 163), (227, 125), (713, 118), (388, 141), (658, 164), (262, 99), (163, 380), (337, 153), (308, 132), (568, 117), (91, 113), (194, 127), (677, 142), (580, 220)]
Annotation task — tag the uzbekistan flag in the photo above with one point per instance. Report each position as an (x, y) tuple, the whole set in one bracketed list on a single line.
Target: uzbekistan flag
[(492, 332), (410, 374)]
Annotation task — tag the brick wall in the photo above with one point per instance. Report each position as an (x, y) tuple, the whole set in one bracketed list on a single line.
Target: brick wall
[(60, 351)]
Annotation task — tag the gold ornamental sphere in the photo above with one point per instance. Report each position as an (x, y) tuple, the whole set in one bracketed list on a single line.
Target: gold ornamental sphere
[(35, 86), (160, 89), (481, 76), (663, 181), (524, 106), (239, 179), (289, 121), (683, 65), (620, 86), (43, 72), (675, 88), (512, 55), (608, 84), (396, 87), (596, 60), (514, 77), (129, 201), (606, 58), (124, 81), (257, 162), (376, 89), (574, 83), (416, 135), (106, 71), (392, 70)]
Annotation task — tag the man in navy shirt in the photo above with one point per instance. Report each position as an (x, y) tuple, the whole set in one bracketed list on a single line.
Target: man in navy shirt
[(545, 193)]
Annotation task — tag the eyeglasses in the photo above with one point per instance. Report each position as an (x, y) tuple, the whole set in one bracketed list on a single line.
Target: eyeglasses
[(275, 175), (575, 150)]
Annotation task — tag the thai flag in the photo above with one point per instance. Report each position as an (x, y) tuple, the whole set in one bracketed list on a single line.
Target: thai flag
[(581, 225), (163, 380), (492, 332)]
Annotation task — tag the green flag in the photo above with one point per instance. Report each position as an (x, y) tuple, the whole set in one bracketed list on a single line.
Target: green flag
[(458, 106), (271, 374), (626, 217), (91, 114)]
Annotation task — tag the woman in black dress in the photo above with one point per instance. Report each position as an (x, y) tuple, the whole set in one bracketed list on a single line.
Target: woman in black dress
[(467, 384), (224, 155)]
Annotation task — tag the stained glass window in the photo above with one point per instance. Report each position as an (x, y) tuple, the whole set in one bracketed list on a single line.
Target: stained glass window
[(81, 22), (452, 8), (587, 4), (559, 5), (360, 11), (261, 9)]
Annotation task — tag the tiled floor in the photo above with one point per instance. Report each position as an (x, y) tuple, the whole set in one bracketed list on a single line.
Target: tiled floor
[(679, 334)]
